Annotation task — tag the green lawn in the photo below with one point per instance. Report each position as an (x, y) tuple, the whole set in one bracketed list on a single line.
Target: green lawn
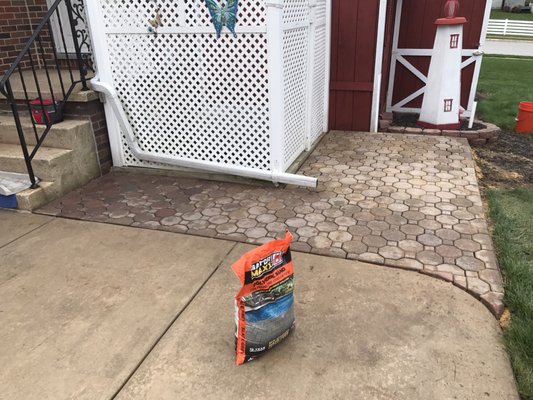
[(512, 217), (503, 84), (498, 14)]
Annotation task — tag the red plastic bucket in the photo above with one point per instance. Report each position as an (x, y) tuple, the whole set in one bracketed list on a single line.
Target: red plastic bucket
[(524, 122), (45, 112)]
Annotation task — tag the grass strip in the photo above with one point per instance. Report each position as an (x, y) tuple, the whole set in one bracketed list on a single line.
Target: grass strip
[(511, 212)]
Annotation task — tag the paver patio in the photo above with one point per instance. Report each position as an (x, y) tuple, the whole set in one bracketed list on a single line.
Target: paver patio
[(398, 200)]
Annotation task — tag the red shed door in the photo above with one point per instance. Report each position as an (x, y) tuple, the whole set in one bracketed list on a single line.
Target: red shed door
[(353, 55)]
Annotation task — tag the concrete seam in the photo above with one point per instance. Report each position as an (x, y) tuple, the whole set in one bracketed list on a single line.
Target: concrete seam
[(172, 322), (26, 234)]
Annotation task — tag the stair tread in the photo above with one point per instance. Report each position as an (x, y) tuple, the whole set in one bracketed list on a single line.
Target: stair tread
[(44, 153), (7, 120)]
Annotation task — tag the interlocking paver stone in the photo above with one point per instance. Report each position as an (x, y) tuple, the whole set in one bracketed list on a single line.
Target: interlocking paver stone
[(256, 233), (169, 221), (345, 221), (319, 242), (393, 235), (378, 226), (429, 240), (429, 257), (391, 252), (488, 257), (469, 263), (405, 201), (265, 218), (448, 234), (327, 226), (466, 228), (296, 222), (430, 224), (453, 269), (340, 236), (374, 241), (314, 218), (467, 245), (477, 285), (411, 246), (447, 220)]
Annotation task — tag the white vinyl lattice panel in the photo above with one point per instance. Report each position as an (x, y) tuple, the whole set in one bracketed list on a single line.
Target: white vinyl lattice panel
[(295, 59), (319, 84), (190, 96), (321, 10), (295, 11), (187, 13)]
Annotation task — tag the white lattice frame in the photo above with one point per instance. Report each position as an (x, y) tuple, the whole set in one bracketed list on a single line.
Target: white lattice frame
[(398, 56), (273, 29)]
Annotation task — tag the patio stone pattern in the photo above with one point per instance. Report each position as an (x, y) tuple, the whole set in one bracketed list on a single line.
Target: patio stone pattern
[(399, 200)]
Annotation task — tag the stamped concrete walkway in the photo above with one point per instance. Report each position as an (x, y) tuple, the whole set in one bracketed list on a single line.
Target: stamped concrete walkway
[(99, 311), (399, 200)]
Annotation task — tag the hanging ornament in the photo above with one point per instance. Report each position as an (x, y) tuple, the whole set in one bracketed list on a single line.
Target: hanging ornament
[(451, 8), (155, 22), (223, 16)]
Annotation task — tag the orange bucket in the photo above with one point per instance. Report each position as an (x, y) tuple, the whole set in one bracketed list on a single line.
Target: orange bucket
[(524, 122)]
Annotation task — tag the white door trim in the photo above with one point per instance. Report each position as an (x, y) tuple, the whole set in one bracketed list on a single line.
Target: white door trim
[(374, 119)]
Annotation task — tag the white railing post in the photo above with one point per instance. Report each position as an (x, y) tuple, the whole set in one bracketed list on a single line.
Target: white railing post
[(310, 73), (505, 25), (274, 22)]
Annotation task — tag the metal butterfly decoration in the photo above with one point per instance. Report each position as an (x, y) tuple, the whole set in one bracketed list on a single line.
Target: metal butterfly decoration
[(223, 16), (155, 22)]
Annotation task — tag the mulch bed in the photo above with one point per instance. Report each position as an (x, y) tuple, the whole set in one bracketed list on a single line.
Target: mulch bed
[(508, 163)]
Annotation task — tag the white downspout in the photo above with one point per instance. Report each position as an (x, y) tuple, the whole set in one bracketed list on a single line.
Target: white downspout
[(274, 176)]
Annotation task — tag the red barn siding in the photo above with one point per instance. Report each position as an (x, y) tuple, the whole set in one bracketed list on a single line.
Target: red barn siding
[(353, 53)]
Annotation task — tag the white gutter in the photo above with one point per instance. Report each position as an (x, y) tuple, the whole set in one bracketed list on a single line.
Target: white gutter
[(274, 176)]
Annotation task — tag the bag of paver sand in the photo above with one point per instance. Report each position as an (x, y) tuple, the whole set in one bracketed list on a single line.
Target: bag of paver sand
[(264, 313)]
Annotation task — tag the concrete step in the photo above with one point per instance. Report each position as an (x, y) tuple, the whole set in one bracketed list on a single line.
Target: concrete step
[(49, 163), (63, 135), (30, 199)]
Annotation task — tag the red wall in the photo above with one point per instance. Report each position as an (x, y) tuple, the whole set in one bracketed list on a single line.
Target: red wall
[(353, 52)]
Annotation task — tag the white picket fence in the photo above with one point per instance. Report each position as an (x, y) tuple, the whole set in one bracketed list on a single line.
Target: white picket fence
[(509, 27)]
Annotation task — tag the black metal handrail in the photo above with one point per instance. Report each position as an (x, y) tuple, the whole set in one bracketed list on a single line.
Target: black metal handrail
[(51, 63)]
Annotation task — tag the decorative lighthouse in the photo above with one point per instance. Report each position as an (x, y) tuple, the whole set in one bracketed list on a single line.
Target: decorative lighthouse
[(441, 104)]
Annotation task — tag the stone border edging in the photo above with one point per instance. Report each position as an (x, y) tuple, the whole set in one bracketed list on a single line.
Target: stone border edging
[(488, 134)]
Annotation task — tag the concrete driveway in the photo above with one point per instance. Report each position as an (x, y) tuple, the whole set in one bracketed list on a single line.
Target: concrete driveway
[(96, 311)]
